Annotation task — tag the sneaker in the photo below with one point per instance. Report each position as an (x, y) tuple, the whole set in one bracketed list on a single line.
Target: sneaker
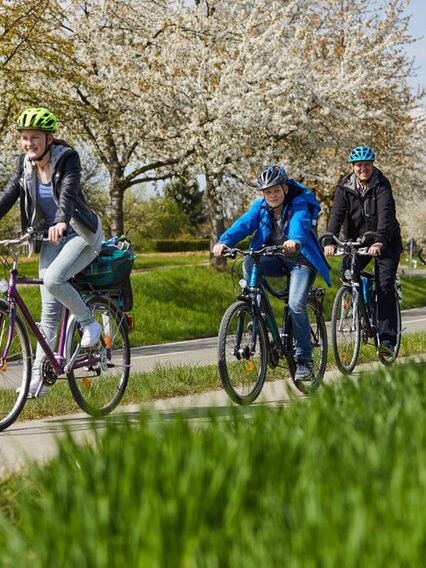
[(303, 372), (91, 334), (385, 347), (37, 390)]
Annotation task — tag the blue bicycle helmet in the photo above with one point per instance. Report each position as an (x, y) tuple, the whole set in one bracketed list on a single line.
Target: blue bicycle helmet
[(361, 154), (270, 176)]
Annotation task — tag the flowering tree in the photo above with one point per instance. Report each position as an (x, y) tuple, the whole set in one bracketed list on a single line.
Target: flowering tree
[(220, 88), (298, 83)]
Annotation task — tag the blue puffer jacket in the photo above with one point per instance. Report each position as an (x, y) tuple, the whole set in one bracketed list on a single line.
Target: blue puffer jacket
[(297, 227)]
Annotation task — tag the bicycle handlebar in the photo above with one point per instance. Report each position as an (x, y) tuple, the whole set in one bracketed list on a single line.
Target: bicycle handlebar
[(268, 250), (31, 235), (351, 244), (28, 238)]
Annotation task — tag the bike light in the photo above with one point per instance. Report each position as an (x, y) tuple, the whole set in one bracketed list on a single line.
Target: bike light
[(347, 274), (4, 285), (243, 283)]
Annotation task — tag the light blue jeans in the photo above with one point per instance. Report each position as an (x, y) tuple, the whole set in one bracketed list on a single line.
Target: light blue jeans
[(301, 278), (58, 263)]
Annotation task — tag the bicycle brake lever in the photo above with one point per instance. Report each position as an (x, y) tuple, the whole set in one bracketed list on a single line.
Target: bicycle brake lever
[(362, 251)]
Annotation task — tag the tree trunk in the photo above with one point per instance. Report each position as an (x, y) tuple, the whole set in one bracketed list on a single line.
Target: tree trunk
[(117, 206), (116, 195), (217, 225)]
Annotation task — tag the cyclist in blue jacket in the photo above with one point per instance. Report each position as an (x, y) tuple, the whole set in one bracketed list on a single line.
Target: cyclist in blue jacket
[(283, 217)]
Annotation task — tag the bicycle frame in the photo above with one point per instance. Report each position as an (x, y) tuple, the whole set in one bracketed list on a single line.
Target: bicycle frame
[(258, 289), (355, 282), (15, 300)]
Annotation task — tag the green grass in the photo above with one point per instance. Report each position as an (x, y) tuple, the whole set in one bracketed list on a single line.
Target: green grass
[(336, 481), (144, 261)]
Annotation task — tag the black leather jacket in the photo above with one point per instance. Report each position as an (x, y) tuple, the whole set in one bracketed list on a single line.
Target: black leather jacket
[(375, 211), (65, 172)]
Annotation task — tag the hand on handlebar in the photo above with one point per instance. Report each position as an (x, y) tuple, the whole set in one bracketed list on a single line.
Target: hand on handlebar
[(375, 249), (329, 250), (56, 232), (291, 246), (218, 249)]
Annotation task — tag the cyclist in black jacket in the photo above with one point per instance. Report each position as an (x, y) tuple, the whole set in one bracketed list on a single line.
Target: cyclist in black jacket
[(364, 201)]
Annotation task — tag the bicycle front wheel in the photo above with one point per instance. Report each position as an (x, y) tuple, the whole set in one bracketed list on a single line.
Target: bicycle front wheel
[(345, 330), (15, 367), (242, 353), (100, 374)]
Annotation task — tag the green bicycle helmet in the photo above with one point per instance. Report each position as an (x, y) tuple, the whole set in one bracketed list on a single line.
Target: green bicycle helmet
[(39, 118)]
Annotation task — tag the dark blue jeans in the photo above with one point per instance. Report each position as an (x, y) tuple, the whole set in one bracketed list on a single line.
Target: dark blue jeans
[(301, 278)]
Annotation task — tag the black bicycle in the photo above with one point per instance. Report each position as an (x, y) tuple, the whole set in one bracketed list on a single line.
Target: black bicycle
[(250, 339), (355, 309)]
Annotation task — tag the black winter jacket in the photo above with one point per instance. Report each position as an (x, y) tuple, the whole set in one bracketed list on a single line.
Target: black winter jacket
[(375, 211), (72, 207)]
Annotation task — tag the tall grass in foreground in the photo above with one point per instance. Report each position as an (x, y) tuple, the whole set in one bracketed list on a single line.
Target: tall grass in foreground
[(339, 480)]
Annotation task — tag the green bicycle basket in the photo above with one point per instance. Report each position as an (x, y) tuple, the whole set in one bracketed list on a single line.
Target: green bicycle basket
[(111, 268)]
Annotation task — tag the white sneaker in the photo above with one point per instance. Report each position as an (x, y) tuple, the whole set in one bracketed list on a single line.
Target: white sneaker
[(91, 334), (36, 390)]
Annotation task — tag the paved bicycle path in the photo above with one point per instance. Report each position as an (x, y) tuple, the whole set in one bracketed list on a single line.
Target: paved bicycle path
[(37, 440), (203, 351)]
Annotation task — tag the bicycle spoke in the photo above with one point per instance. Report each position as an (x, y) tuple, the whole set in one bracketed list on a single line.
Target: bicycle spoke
[(242, 354), (99, 381), (345, 330), (15, 369)]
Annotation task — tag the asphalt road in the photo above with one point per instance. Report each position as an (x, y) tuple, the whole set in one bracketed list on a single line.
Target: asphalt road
[(37, 440), (203, 351)]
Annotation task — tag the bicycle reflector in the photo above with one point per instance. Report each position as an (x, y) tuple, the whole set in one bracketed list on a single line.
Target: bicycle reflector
[(3, 285), (130, 322)]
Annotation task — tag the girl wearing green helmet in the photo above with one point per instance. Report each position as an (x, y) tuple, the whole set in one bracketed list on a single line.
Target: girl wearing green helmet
[(47, 183)]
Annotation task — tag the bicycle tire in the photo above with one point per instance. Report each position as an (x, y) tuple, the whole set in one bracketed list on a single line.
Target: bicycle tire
[(98, 388), (15, 373), (243, 346), (319, 345), (346, 331), (390, 359)]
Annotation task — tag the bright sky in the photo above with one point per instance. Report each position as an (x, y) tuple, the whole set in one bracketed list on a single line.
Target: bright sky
[(417, 10)]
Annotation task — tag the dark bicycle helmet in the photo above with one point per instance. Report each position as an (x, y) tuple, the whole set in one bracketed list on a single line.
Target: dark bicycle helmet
[(270, 176), (361, 154), (39, 118)]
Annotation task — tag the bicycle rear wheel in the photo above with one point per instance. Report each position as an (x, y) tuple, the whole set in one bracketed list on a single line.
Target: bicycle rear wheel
[(242, 353), (345, 330), (319, 345), (99, 384), (390, 359), (15, 370)]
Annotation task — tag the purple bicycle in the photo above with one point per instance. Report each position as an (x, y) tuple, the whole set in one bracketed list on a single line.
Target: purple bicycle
[(97, 376)]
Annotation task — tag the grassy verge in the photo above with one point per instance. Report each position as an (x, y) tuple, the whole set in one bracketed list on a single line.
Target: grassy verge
[(338, 481)]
